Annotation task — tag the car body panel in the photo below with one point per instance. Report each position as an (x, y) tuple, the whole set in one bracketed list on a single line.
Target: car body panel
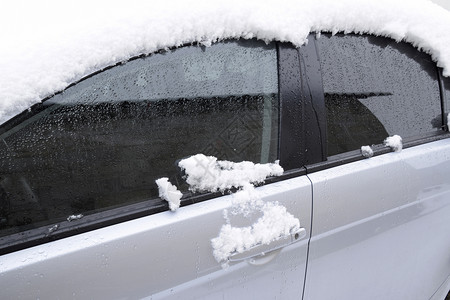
[(375, 228), (380, 226), (167, 255)]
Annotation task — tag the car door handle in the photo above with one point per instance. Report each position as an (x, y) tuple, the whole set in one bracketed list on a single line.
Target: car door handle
[(264, 249)]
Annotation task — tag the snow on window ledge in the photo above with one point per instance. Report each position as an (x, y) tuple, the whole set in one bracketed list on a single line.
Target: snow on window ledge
[(366, 151), (394, 142), (169, 192), (207, 174)]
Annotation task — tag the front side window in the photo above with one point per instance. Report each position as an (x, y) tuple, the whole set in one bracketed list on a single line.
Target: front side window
[(375, 88), (103, 142)]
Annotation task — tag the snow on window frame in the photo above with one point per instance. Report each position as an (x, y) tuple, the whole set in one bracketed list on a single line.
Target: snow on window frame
[(394, 142)]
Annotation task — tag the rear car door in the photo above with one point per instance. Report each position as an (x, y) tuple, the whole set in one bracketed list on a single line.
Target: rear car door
[(380, 225), (81, 215)]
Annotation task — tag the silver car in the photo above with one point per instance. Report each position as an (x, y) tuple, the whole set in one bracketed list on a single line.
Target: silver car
[(81, 215)]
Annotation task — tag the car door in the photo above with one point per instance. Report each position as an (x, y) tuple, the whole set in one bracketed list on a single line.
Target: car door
[(380, 224), (81, 216)]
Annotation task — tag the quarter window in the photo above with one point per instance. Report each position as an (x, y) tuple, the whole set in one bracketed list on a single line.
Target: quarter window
[(102, 143), (375, 87)]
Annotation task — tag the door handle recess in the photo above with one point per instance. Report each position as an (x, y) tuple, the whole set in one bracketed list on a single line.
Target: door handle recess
[(264, 249)]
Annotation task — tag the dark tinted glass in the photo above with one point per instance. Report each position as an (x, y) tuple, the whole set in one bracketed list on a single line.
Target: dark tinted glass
[(374, 88), (102, 143)]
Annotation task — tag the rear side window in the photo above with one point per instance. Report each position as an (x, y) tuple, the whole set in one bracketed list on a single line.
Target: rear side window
[(102, 143), (374, 88)]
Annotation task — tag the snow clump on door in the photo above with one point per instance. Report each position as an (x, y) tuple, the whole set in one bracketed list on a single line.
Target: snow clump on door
[(207, 174)]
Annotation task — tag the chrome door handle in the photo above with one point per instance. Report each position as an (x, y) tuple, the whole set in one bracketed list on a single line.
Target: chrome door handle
[(263, 249)]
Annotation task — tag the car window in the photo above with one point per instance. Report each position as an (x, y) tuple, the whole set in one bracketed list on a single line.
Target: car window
[(374, 88), (103, 142)]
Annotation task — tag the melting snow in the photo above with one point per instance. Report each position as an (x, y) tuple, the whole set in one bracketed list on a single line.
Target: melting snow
[(52, 229), (395, 142), (74, 217), (44, 48), (169, 192), (366, 151)]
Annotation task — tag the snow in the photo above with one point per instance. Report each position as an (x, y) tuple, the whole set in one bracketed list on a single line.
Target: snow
[(245, 202), (275, 222), (366, 151), (74, 217), (169, 192), (51, 44), (52, 229), (395, 142), (207, 174)]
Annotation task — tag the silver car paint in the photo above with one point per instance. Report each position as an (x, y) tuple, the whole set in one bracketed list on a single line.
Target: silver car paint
[(381, 226), (162, 256)]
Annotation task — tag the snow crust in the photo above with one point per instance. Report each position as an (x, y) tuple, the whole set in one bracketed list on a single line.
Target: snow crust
[(395, 142), (366, 151), (169, 192), (51, 44)]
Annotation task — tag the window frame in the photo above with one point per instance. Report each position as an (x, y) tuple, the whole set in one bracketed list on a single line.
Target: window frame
[(443, 93), (288, 152), (378, 149)]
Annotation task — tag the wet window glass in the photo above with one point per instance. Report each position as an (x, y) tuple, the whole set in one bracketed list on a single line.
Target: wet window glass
[(375, 87), (103, 142)]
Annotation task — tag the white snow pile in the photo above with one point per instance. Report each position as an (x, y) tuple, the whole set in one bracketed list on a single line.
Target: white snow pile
[(207, 174), (273, 224), (366, 151), (394, 142), (51, 43), (169, 192)]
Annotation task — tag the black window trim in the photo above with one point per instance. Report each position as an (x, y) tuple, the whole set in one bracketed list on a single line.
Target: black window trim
[(444, 108)]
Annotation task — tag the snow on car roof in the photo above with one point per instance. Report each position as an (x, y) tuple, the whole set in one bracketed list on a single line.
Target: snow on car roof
[(46, 45)]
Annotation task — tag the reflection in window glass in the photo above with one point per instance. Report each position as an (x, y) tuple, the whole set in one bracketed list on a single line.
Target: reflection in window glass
[(375, 87), (103, 142)]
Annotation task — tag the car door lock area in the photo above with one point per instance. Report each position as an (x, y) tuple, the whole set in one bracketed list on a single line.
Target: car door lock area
[(263, 250)]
